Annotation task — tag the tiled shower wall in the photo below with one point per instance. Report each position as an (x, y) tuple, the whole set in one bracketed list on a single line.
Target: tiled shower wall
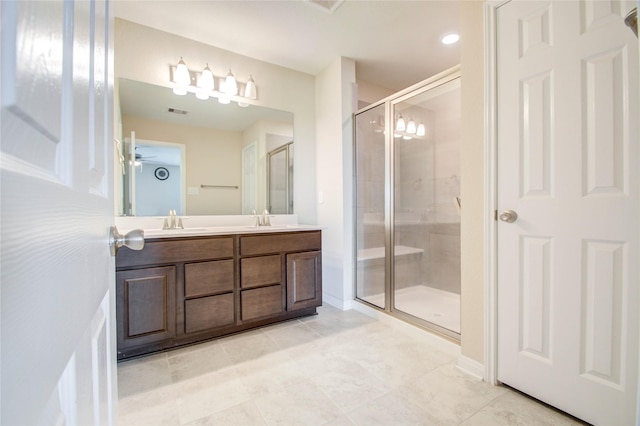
[(427, 211)]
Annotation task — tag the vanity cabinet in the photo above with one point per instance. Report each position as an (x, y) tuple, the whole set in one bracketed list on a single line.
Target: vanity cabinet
[(280, 273), (182, 290), (146, 312), (304, 280)]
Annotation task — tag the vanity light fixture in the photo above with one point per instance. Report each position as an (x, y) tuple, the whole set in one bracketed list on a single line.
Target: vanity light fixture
[(250, 91), (230, 85), (228, 88), (411, 127), (205, 84), (181, 78), (421, 131), (401, 126)]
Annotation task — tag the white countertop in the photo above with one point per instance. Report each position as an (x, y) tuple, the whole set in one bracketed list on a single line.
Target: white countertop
[(225, 230)]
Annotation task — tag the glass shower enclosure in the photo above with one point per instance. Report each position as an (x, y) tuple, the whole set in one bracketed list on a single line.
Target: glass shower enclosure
[(407, 162)]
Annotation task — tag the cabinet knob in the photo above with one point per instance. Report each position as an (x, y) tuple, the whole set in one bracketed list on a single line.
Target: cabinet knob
[(133, 239)]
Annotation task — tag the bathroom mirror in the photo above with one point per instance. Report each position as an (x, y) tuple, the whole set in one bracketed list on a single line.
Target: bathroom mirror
[(219, 161)]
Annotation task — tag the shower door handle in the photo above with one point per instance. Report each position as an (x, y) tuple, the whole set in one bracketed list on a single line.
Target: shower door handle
[(508, 216)]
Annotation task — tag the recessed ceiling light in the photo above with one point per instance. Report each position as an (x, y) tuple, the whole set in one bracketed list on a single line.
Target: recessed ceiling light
[(450, 38)]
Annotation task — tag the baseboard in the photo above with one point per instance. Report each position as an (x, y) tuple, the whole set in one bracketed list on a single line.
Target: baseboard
[(343, 305), (471, 366)]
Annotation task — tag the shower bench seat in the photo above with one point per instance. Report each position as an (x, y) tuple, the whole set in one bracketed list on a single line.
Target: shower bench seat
[(379, 252)]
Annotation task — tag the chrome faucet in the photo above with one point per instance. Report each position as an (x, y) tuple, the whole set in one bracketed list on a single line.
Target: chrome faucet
[(266, 219), (173, 221), (263, 220)]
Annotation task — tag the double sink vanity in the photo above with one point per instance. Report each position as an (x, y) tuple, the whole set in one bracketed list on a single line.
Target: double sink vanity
[(189, 285)]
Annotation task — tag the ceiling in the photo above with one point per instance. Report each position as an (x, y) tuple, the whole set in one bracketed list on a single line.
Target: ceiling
[(395, 43)]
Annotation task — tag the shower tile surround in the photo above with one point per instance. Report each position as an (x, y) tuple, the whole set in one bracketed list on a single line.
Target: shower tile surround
[(336, 368)]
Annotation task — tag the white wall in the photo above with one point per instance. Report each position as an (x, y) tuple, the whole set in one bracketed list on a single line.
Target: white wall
[(334, 164), (156, 197), (472, 182), (369, 93), (145, 54), (213, 157)]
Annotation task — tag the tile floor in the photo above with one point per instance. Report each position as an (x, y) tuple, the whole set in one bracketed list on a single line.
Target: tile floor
[(335, 368)]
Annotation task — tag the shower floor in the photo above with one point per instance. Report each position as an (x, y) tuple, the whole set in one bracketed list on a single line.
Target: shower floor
[(430, 304)]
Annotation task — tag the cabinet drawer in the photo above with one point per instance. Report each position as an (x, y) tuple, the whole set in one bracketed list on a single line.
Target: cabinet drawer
[(205, 278), (261, 302), (158, 252), (280, 243), (263, 270), (208, 312)]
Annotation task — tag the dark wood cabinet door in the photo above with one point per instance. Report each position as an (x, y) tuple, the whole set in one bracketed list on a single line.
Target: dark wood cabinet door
[(145, 306), (304, 280)]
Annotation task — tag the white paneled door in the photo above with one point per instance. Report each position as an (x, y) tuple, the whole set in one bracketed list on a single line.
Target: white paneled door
[(568, 166), (56, 153)]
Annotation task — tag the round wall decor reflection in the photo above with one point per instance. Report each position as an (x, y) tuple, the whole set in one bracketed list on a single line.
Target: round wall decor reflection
[(162, 173)]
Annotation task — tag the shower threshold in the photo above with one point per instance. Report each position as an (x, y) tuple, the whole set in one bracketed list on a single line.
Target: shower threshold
[(436, 306)]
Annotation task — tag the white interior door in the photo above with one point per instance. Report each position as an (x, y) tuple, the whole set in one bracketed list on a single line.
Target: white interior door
[(568, 161), (56, 159)]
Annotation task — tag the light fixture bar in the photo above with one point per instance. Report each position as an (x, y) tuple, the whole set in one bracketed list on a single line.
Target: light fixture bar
[(204, 85)]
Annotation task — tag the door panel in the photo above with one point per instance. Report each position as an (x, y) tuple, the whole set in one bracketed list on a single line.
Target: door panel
[(568, 165), (304, 280), (58, 353), (370, 166)]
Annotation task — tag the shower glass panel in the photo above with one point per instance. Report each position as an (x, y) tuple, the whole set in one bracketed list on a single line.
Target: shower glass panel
[(280, 180), (426, 200), (370, 205)]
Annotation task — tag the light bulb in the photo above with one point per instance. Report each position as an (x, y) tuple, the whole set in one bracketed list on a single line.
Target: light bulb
[(243, 104), (224, 100), (421, 131), (179, 91), (400, 124), (230, 85), (406, 138), (182, 77), (206, 79), (411, 127), (202, 95), (250, 89)]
